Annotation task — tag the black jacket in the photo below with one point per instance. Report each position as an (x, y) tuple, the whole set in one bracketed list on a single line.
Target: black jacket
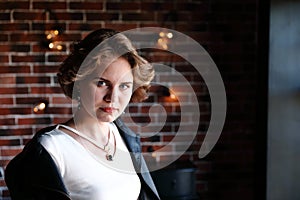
[(33, 175)]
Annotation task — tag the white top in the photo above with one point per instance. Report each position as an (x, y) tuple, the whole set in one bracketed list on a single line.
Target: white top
[(88, 177)]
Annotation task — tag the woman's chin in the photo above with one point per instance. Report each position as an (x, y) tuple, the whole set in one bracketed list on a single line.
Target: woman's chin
[(107, 117)]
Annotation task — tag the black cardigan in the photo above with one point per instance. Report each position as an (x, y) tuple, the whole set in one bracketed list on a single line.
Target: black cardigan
[(33, 175)]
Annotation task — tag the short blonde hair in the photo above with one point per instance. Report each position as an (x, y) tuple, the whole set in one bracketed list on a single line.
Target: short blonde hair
[(106, 44)]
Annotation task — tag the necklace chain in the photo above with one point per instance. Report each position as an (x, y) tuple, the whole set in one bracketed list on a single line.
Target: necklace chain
[(105, 147)]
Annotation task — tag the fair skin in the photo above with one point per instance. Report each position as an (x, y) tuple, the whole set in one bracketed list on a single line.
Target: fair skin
[(104, 97)]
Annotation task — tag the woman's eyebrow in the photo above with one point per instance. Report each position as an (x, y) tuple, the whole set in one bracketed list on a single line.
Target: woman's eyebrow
[(106, 80), (129, 82), (101, 78)]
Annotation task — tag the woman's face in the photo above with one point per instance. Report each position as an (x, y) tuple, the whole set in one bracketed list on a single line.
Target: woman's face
[(105, 94)]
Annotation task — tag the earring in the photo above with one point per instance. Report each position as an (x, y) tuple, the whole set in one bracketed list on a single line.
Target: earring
[(78, 101)]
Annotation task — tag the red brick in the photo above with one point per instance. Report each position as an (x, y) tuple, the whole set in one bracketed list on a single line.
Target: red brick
[(59, 110), (165, 57), (184, 67), (163, 128), (41, 47), (141, 119), (145, 148), (21, 90), (46, 90), (4, 48), (3, 59), (155, 6), (86, 5), (56, 58), (75, 26), (167, 108), (28, 58), (14, 69), (123, 6), (29, 16), (16, 132), (4, 101), (4, 16), (20, 48), (9, 142), (3, 37), (154, 24), (67, 16), (121, 26), (61, 100), (14, 26), (68, 37), (49, 5), (10, 152), (138, 16), (14, 5), (58, 120), (42, 26), (33, 79), (36, 120), (15, 111), (7, 80), (28, 100), (7, 121), (102, 16), (26, 37), (45, 68)]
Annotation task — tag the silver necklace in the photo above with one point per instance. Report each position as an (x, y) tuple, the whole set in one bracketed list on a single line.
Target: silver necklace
[(105, 147)]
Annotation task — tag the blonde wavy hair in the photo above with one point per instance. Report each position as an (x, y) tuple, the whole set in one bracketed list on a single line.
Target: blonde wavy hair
[(100, 47)]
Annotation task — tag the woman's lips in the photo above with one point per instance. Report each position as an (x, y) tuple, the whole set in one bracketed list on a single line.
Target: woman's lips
[(109, 110)]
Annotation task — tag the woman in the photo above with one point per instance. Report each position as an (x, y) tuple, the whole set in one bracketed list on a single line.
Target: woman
[(94, 155)]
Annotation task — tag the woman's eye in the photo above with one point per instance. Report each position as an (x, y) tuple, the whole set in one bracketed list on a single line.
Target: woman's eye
[(101, 83), (124, 86)]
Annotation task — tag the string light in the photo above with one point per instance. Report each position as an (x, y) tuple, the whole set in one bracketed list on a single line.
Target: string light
[(164, 39), (169, 35), (52, 41), (51, 34), (172, 96), (40, 106), (55, 45)]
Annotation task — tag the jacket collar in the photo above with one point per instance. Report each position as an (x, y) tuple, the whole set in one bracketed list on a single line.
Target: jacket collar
[(132, 141)]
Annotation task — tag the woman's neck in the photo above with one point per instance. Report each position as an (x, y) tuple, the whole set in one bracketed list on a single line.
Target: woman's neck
[(92, 128)]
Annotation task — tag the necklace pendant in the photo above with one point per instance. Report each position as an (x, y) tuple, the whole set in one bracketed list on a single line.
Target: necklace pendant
[(109, 157)]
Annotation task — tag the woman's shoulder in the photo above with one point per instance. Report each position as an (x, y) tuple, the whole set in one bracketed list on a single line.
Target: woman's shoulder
[(23, 173), (31, 152), (33, 147), (47, 131)]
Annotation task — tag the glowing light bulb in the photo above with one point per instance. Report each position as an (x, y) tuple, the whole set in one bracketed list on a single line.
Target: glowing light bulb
[(169, 35), (56, 32), (51, 45), (39, 107), (49, 36), (172, 96), (162, 34), (59, 47)]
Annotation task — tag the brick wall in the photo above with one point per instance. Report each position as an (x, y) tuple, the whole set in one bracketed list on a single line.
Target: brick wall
[(228, 30)]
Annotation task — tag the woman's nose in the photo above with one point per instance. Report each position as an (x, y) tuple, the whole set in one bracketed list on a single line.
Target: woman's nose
[(111, 95)]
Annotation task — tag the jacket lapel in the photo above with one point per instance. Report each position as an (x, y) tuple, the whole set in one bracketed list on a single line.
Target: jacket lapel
[(132, 141)]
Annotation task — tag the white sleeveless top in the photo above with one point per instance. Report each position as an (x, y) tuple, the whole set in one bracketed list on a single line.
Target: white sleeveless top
[(88, 177)]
